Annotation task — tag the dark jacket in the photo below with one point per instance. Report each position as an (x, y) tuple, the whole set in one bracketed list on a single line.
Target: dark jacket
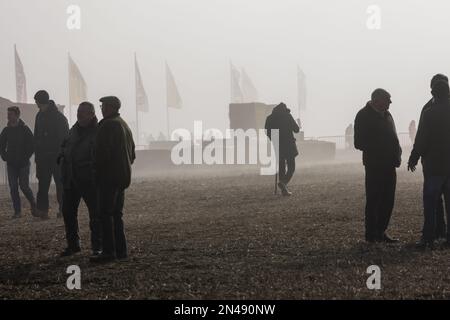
[(16, 145), (432, 141), (376, 137), (50, 130), (427, 106), (282, 120), (114, 153), (77, 156)]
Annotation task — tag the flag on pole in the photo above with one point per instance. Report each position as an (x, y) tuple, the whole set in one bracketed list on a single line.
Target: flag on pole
[(301, 85), (173, 95), (77, 85), (141, 96), (236, 92), (248, 89), (21, 80)]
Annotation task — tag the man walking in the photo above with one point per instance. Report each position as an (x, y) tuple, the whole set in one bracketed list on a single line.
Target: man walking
[(77, 167), (114, 155), (441, 230), (376, 137), (282, 120), (50, 130), (433, 145), (16, 149)]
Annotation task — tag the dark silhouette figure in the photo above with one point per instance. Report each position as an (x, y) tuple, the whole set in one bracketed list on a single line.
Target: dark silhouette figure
[(376, 137), (77, 168), (433, 145), (114, 155), (50, 130), (349, 133), (282, 120), (16, 149), (441, 229)]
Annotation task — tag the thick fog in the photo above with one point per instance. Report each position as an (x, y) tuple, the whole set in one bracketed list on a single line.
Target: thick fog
[(342, 58)]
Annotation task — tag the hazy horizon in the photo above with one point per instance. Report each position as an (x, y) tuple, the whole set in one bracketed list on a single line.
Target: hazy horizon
[(342, 59)]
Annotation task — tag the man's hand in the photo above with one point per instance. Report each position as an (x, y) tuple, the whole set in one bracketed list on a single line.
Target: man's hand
[(411, 167)]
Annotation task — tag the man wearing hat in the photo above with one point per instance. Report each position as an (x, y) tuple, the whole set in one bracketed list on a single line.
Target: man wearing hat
[(376, 136), (114, 155), (50, 130)]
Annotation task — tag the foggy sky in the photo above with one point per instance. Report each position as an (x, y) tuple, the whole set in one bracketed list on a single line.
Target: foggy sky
[(328, 39)]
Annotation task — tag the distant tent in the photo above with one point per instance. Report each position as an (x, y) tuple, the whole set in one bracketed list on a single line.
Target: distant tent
[(77, 85), (250, 94), (21, 80), (162, 137), (151, 138), (301, 87), (236, 91)]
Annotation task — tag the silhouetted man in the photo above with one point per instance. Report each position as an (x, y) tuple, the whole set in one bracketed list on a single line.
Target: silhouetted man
[(114, 155), (376, 137), (282, 120), (441, 229), (78, 177), (433, 145), (16, 148), (50, 130)]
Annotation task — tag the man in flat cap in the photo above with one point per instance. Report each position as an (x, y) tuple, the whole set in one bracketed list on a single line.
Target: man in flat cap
[(376, 137), (50, 130), (114, 155)]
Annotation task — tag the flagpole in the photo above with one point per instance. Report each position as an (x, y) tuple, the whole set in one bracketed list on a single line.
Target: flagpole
[(167, 103), (137, 112), (70, 105)]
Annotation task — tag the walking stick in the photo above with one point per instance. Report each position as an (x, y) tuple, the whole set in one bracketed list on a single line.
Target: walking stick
[(276, 184)]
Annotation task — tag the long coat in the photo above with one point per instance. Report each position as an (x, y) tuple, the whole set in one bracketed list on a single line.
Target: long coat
[(376, 136), (282, 120)]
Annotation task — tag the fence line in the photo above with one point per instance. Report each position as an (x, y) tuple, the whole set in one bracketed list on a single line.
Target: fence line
[(346, 142)]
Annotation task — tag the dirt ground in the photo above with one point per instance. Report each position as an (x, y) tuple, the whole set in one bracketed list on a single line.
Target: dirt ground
[(226, 236)]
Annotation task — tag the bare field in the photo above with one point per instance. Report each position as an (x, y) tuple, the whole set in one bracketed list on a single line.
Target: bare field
[(226, 236)]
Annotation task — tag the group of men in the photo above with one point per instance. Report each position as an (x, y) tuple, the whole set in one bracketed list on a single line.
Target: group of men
[(376, 136), (91, 161)]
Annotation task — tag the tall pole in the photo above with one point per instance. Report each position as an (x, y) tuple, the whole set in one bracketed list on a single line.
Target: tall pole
[(168, 123), (167, 102), (70, 100), (137, 111)]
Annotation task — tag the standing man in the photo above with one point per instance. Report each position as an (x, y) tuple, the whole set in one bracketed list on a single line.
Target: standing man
[(114, 155), (16, 149), (282, 120), (376, 137), (77, 159), (50, 130), (441, 229), (433, 145)]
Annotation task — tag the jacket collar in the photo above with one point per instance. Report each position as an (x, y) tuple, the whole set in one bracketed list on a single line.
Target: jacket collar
[(19, 124)]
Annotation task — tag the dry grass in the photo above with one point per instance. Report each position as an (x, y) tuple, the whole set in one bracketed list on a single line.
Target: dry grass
[(228, 237)]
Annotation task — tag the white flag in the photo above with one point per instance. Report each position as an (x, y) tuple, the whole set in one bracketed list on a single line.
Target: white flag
[(301, 83), (21, 80), (248, 89), (141, 95), (77, 85), (236, 92), (173, 95)]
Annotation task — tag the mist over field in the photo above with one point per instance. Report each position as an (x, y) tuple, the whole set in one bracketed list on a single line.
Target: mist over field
[(330, 41)]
